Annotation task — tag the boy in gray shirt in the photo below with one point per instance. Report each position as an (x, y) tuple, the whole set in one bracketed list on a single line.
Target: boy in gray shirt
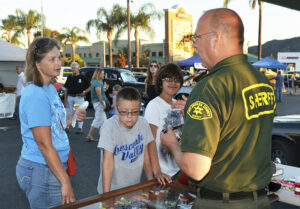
[(123, 143)]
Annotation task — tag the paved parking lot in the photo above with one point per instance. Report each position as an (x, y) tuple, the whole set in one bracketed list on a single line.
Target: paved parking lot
[(87, 154)]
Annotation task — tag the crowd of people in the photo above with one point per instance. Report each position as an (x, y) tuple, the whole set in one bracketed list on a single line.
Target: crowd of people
[(225, 147)]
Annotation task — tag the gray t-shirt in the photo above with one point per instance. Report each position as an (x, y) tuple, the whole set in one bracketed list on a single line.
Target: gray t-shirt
[(128, 147)]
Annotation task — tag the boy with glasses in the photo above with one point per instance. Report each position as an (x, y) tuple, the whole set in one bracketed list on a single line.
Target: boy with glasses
[(123, 142)]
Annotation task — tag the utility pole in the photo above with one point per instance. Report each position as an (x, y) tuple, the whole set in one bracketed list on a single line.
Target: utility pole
[(129, 42), (259, 29), (42, 20)]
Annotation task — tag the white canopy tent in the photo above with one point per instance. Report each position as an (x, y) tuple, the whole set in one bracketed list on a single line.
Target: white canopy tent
[(10, 57)]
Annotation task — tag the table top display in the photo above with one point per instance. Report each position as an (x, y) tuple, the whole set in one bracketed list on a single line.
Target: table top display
[(288, 176), (144, 195)]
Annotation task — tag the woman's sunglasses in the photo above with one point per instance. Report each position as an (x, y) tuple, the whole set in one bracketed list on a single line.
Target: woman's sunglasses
[(153, 66), (42, 42)]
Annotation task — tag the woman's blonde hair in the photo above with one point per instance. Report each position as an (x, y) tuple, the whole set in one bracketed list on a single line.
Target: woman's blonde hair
[(96, 74), (35, 53)]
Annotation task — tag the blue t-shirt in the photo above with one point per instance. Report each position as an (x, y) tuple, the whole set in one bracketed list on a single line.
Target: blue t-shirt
[(94, 97), (41, 106)]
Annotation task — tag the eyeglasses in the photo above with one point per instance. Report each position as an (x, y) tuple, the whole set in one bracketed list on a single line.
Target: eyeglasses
[(40, 44), (126, 113), (169, 80), (154, 66), (195, 37)]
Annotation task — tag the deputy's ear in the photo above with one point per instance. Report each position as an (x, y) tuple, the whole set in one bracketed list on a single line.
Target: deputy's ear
[(215, 40)]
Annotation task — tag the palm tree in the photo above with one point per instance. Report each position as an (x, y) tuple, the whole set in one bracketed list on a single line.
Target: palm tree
[(142, 21), (253, 5), (28, 21), (73, 36), (15, 38), (9, 24), (107, 22)]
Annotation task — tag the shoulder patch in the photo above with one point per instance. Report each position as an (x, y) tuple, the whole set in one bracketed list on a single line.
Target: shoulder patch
[(199, 111), (259, 99)]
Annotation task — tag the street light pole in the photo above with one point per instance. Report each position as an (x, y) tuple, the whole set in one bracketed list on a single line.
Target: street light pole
[(129, 42)]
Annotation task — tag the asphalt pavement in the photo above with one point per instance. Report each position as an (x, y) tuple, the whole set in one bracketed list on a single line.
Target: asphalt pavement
[(87, 155)]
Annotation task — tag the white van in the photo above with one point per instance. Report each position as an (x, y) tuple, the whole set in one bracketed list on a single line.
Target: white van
[(64, 73)]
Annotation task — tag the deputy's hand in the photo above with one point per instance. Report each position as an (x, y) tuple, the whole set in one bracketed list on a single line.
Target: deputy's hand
[(80, 114), (179, 104), (169, 139)]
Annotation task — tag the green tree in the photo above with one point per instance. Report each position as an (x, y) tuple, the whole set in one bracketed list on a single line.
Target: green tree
[(28, 22), (253, 5), (107, 22), (72, 36), (15, 38), (9, 25), (141, 21)]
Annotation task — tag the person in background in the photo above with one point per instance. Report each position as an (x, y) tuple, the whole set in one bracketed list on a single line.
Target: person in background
[(116, 88), (226, 142), (98, 99), (121, 136), (76, 87), (168, 80), (20, 88), (294, 86), (150, 92), (278, 85), (41, 168)]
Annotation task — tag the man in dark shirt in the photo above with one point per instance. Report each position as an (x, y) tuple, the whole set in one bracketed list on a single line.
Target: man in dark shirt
[(77, 86)]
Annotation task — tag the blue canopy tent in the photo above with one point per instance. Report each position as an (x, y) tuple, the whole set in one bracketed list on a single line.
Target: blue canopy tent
[(268, 63), (190, 61)]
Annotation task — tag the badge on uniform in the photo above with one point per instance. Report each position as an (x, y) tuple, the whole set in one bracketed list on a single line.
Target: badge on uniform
[(79, 80), (199, 111)]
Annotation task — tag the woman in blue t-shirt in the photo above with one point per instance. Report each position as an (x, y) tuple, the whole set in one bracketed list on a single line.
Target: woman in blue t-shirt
[(41, 169), (98, 98)]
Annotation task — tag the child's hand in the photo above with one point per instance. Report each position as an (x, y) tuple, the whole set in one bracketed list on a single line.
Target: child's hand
[(163, 178)]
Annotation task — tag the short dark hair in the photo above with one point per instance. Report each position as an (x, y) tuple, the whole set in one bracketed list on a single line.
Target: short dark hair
[(128, 93), (169, 70)]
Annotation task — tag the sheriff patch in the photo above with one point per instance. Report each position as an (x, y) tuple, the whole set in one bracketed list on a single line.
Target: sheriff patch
[(259, 99), (199, 111)]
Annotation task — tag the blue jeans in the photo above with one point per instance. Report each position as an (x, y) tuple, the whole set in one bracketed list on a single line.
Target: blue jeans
[(278, 94), (42, 188)]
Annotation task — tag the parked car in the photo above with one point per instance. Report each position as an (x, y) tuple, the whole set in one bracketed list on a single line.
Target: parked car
[(286, 140), (285, 134), (64, 73), (140, 73), (114, 76)]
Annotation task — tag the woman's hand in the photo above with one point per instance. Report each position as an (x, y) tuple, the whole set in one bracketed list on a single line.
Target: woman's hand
[(67, 193)]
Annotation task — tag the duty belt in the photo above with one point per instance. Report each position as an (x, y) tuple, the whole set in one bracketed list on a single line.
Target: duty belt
[(209, 194)]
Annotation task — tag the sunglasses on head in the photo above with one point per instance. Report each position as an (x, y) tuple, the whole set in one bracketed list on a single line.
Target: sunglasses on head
[(42, 42), (153, 65)]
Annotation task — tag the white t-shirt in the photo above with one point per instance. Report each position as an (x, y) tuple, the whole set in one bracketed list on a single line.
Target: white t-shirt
[(128, 147), (156, 112), (20, 84)]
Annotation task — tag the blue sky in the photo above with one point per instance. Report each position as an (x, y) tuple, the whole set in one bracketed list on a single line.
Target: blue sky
[(278, 22)]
